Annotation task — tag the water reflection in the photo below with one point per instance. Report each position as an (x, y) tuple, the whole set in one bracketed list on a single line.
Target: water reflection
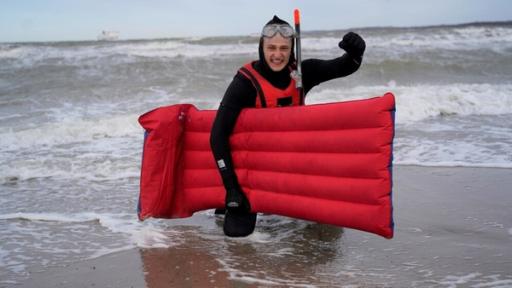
[(282, 253)]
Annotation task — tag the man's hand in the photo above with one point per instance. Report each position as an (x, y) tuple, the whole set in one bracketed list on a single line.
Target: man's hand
[(353, 44)]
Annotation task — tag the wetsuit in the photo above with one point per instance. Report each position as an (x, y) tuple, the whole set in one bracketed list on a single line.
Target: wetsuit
[(242, 94)]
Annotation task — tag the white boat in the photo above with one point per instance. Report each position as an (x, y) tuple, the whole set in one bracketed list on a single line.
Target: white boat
[(108, 35)]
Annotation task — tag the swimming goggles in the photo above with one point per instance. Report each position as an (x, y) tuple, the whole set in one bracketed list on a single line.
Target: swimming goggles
[(272, 29)]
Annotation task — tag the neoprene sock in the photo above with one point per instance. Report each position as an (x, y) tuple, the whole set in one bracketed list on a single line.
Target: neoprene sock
[(239, 224)]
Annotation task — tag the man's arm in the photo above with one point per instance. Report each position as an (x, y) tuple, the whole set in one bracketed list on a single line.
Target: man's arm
[(240, 94), (316, 71)]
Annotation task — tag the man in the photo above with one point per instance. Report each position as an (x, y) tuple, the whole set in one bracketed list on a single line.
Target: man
[(267, 82)]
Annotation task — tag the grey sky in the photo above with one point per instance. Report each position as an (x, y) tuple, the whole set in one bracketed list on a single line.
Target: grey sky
[(57, 20)]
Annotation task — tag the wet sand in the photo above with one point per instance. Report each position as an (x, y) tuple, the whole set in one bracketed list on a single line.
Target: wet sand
[(453, 229)]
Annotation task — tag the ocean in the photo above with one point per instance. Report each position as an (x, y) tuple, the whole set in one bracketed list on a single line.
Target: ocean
[(70, 144)]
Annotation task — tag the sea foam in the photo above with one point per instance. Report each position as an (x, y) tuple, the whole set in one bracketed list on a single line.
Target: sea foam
[(419, 102)]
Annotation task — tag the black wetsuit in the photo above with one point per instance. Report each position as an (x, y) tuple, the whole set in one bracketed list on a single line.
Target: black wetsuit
[(242, 94)]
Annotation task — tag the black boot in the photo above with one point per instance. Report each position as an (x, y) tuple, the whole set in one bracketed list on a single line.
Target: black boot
[(239, 223)]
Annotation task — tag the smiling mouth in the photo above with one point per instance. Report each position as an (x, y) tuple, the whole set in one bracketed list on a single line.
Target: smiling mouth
[(277, 61)]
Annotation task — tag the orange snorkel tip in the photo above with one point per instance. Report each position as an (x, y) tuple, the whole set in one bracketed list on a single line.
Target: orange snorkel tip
[(296, 16)]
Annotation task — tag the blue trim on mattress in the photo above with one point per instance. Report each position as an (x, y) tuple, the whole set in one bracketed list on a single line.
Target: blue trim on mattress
[(146, 133), (390, 167)]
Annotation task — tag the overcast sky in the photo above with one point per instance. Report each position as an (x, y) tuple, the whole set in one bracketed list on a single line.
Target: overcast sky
[(58, 20)]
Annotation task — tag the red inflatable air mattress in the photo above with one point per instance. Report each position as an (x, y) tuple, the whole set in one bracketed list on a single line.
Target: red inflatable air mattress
[(329, 163)]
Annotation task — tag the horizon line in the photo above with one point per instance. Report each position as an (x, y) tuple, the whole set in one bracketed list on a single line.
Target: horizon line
[(256, 34)]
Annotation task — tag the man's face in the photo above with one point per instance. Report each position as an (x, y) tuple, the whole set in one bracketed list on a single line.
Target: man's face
[(277, 51)]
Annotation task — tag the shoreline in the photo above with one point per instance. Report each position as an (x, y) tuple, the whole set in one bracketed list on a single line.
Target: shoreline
[(452, 226)]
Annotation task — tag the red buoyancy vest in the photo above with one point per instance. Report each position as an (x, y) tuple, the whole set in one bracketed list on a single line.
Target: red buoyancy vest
[(267, 94), (329, 163)]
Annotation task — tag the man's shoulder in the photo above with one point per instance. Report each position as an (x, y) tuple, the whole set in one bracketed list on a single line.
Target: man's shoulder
[(242, 79), (240, 93)]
